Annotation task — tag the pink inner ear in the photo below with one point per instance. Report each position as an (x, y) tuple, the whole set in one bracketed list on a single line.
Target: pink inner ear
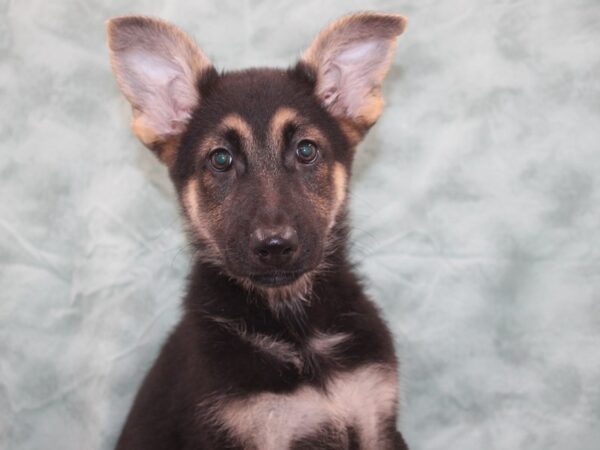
[(330, 82), (356, 52), (162, 91), (351, 72), (151, 69)]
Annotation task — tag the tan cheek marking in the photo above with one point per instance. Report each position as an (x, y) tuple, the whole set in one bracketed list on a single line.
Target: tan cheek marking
[(320, 198), (190, 201), (340, 179)]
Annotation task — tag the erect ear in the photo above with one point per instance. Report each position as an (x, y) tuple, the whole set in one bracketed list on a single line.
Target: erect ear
[(157, 67), (351, 57)]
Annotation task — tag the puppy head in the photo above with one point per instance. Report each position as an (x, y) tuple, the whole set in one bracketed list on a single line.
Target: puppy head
[(261, 157)]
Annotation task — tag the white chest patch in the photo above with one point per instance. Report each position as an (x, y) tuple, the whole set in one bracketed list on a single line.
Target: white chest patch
[(362, 399)]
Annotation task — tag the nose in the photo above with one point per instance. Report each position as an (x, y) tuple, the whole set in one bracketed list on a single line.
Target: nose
[(275, 247)]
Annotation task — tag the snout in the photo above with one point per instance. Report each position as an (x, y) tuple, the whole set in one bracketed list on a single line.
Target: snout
[(274, 253), (274, 248)]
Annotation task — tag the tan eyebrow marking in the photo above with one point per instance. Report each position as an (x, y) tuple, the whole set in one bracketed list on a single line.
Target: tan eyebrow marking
[(236, 122), (231, 121), (280, 119), (285, 115)]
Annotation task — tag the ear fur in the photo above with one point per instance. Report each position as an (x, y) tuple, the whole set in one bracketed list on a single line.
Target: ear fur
[(157, 67), (351, 57)]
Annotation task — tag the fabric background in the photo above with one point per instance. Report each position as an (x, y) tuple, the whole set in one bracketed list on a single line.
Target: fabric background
[(475, 211)]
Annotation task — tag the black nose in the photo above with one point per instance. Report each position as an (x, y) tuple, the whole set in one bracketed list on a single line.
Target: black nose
[(275, 246)]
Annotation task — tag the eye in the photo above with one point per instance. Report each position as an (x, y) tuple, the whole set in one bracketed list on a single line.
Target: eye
[(220, 159), (306, 151)]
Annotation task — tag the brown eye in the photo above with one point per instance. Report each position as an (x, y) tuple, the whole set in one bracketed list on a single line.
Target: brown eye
[(221, 159), (306, 151)]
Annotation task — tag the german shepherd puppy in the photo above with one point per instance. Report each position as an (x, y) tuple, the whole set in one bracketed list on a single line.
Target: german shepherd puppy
[(278, 347)]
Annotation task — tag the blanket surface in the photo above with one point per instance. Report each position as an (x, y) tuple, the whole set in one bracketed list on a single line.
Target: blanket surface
[(475, 213)]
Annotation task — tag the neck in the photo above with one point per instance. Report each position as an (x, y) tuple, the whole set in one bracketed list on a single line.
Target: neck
[(308, 338)]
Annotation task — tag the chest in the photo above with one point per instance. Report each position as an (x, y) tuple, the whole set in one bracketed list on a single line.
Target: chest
[(354, 406)]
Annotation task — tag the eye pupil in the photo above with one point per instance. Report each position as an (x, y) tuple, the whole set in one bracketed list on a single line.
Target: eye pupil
[(306, 151), (221, 159)]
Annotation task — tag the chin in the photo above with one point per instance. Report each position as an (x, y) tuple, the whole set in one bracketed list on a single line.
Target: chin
[(282, 290), (276, 279)]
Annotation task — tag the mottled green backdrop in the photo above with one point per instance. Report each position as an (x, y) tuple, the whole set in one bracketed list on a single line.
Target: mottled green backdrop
[(476, 212)]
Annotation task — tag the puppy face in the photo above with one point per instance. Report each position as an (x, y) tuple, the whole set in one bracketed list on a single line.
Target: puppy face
[(262, 173), (260, 158)]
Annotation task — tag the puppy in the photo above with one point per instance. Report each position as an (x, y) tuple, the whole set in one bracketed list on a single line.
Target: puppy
[(278, 347)]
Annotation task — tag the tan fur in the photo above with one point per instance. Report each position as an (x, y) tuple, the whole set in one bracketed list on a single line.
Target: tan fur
[(236, 122), (362, 398), (353, 131), (285, 115), (279, 120), (340, 177), (321, 203), (231, 121), (372, 108), (167, 150), (327, 345), (199, 221), (190, 201), (141, 130)]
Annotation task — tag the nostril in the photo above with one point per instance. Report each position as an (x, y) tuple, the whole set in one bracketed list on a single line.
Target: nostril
[(274, 247)]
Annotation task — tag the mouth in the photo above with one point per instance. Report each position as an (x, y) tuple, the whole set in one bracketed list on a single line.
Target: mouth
[(275, 279)]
